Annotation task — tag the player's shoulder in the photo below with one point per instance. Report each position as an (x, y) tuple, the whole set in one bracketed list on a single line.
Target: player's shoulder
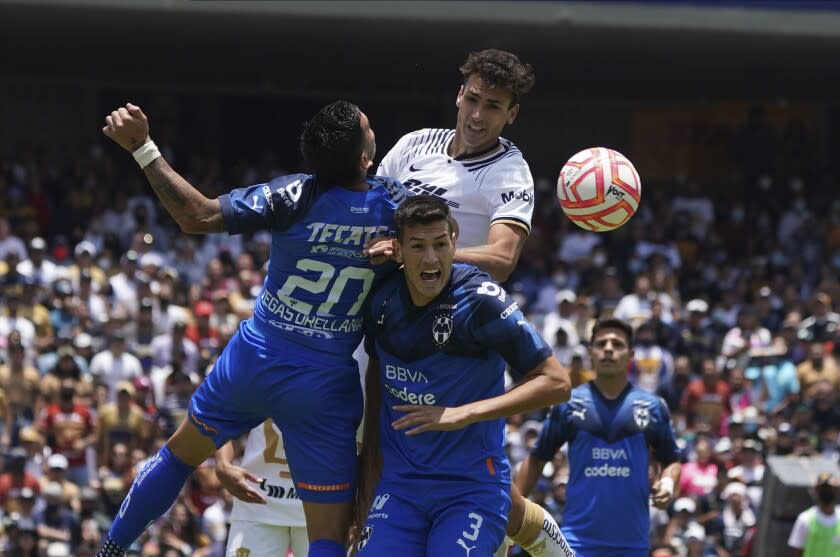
[(386, 289), (471, 283), (392, 189), (639, 396)]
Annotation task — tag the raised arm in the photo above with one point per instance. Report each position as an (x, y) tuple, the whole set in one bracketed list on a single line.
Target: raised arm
[(194, 213), (501, 253)]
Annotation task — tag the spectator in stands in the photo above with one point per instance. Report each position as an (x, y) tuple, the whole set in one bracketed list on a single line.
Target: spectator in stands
[(15, 478), (20, 383), (697, 340), (12, 320), (652, 365), (636, 307), (818, 367), (815, 531), (57, 473), (706, 400), (121, 421), (70, 430), (823, 324), (37, 266), (115, 364)]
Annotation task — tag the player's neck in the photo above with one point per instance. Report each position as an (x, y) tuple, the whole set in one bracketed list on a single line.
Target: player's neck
[(459, 151), (358, 186), (611, 387)]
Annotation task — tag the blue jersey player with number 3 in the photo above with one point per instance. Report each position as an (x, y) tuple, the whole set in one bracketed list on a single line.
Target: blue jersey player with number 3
[(440, 335), (292, 361)]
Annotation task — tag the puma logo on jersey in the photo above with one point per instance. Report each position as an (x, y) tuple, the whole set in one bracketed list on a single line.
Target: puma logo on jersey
[(581, 413), (467, 548)]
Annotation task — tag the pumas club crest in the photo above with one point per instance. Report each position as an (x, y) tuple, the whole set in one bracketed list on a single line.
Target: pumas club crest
[(442, 329)]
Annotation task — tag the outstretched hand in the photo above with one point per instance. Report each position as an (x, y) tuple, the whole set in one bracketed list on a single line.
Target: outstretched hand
[(430, 418), (236, 480), (127, 126), (380, 249)]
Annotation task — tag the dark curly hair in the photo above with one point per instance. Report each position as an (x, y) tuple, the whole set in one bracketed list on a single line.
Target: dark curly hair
[(331, 143), (421, 209), (499, 68)]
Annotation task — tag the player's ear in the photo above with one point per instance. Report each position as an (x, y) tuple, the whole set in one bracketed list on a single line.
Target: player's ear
[(513, 113), (398, 256), (459, 96)]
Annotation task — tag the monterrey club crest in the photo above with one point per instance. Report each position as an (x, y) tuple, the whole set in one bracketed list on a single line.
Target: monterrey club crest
[(641, 415), (442, 329)]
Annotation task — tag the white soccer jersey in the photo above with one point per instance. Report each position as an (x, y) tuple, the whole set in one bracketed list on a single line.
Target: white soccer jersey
[(495, 186), (265, 457)]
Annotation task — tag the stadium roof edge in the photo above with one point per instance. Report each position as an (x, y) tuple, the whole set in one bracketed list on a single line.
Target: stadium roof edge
[(631, 15)]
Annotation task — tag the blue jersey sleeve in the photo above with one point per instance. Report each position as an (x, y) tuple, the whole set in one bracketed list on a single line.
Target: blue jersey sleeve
[(554, 434), (272, 206), (661, 437), (499, 325)]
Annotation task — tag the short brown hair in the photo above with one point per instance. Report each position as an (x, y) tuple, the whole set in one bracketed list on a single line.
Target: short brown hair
[(499, 68)]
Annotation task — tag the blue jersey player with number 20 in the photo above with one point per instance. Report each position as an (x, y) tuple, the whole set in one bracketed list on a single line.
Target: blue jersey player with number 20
[(292, 361), (440, 335)]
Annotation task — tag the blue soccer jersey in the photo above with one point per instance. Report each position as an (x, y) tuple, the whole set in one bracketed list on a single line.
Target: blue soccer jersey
[(447, 353), (610, 443), (292, 361), (317, 278)]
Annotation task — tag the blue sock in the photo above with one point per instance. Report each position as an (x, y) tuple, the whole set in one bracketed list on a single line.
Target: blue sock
[(326, 548), (154, 490)]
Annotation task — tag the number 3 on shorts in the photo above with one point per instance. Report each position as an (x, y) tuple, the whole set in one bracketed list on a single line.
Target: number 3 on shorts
[(475, 525)]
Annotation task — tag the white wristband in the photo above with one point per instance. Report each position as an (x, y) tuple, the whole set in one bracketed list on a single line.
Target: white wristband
[(146, 154), (667, 484)]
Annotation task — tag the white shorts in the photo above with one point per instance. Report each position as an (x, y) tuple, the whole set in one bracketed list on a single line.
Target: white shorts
[(255, 539)]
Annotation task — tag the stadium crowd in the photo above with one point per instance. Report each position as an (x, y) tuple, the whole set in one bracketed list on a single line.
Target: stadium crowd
[(111, 317)]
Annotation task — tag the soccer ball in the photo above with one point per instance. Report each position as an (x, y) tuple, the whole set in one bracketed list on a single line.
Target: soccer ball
[(599, 189)]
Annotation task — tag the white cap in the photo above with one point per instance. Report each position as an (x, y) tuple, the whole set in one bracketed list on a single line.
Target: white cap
[(151, 258), (57, 460), (734, 488), (698, 305), (685, 504), (565, 295), (58, 549), (84, 340), (85, 246), (695, 531)]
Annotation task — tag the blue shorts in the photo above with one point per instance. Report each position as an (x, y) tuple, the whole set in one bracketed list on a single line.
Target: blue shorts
[(416, 518), (315, 398)]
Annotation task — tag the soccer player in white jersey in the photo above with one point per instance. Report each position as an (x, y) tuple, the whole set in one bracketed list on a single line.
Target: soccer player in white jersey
[(487, 184), (277, 525)]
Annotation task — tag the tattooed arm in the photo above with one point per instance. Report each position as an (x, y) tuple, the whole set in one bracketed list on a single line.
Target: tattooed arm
[(194, 213)]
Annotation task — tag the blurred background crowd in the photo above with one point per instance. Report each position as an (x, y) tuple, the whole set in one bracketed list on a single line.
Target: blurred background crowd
[(110, 317)]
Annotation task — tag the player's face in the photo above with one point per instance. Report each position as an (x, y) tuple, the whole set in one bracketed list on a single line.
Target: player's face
[(483, 112), (610, 352), (368, 142), (426, 251)]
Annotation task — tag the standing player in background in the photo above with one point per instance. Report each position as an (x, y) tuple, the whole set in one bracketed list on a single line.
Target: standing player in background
[(611, 428), (487, 184), (275, 522), (292, 360), (439, 336)]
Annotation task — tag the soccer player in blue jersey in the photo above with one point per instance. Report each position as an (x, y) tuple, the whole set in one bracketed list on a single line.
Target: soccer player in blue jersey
[(292, 360), (612, 429), (487, 184), (439, 335)]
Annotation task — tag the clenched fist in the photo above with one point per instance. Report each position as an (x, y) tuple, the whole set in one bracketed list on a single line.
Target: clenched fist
[(128, 126)]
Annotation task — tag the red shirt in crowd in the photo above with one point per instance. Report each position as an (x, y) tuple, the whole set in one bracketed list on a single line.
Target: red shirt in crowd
[(66, 428), (707, 406)]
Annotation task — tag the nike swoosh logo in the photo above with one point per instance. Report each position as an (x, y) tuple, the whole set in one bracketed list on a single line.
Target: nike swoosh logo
[(414, 169)]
